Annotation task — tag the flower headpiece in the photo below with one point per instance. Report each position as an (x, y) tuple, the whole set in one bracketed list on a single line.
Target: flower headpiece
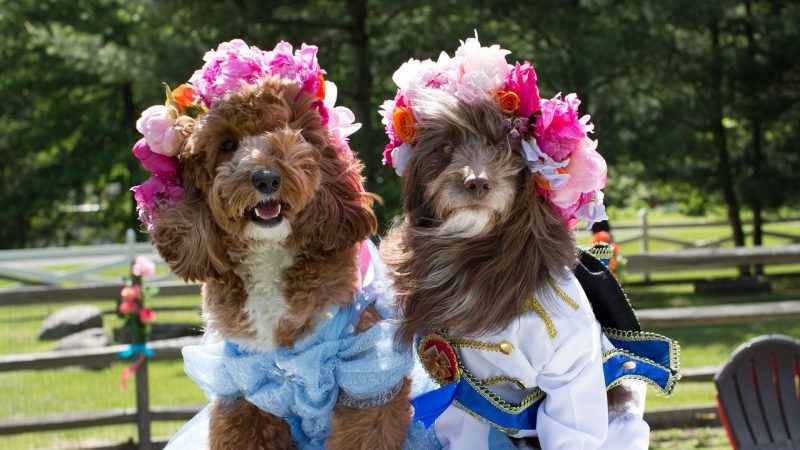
[(231, 66), (568, 171)]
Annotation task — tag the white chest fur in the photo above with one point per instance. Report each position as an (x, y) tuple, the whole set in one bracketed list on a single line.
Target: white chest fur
[(265, 302)]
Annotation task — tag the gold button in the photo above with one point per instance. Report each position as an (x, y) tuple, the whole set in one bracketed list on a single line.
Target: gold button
[(629, 365), (506, 347)]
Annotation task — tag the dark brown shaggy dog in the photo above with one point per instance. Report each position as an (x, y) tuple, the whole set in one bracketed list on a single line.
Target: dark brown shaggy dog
[(271, 221), (477, 239)]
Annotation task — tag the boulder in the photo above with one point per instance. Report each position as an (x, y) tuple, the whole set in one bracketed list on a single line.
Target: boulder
[(69, 321), (91, 338)]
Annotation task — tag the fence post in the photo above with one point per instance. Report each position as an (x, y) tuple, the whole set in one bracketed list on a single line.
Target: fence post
[(130, 244), (644, 240), (143, 406), (142, 385)]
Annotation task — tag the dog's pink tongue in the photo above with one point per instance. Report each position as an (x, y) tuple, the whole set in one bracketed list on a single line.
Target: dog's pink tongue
[(268, 211)]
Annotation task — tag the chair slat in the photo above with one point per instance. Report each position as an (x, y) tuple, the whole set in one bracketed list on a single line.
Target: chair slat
[(787, 363), (729, 399), (746, 386), (768, 394)]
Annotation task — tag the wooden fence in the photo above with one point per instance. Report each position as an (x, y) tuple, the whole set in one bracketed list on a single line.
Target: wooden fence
[(35, 272), (144, 415)]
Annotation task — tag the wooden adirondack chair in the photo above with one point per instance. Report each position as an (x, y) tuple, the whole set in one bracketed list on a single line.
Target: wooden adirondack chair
[(757, 392)]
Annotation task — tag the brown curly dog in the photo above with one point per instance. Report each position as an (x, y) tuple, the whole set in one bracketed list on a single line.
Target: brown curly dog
[(271, 222)]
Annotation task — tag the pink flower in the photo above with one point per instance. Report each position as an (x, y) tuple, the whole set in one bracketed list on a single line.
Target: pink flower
[(522, 80), (154, 195), (587, 173), (157, 125), (127, 307), (302, 66), (143, 267), (341, 121), (400, 157), (146, 315), (558, 129), (157, 164), (593, 210), (226, 68), (130, 293), (481, 70)]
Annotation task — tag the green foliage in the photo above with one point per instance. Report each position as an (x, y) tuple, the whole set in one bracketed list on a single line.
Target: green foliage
[(76, 75)]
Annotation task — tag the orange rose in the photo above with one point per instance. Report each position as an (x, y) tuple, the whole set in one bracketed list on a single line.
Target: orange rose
[(403, 121), (509, 101), (184, 96), (321, 88)]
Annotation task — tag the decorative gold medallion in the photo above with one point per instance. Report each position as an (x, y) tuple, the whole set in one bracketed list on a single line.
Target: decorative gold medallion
[(506, 347), (438, 358)]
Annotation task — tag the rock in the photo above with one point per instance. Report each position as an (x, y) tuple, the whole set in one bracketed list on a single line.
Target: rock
[(160, 331), (91, 338), (69, 321)]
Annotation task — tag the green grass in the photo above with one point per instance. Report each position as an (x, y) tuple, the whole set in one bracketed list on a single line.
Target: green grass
[(32, 393), (699, 438)]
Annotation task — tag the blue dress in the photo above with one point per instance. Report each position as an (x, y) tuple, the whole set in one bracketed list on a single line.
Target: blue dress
[(303, 384)]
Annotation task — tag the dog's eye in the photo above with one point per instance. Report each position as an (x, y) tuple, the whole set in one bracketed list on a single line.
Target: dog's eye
[(228, 145), (448, 148)]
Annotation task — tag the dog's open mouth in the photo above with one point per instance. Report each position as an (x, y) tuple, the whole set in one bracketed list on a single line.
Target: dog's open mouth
[(267, 213)]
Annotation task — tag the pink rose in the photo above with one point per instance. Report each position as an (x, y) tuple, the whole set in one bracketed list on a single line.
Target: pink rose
[(127, 307), (157, 164), (154, 195), (143, 267), (130, 293), (146, 315), (587, 173), (558, 129), (522, 81), (226, 68), (157, 125)]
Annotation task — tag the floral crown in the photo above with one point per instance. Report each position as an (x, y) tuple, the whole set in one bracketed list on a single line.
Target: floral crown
[(568, 171), (231, 66)]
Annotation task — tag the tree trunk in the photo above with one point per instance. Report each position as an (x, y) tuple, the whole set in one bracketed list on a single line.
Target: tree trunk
[(720, 142), (755, 128), (359, 40)]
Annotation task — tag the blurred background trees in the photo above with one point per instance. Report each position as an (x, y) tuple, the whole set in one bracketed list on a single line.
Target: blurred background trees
[(694, 102)]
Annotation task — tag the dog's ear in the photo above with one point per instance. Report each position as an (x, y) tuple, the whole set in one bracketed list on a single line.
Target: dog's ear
[(341, 213), (189, 241), (185, 234)]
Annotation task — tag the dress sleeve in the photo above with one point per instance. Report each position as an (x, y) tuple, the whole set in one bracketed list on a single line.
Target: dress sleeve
[(574, 414)]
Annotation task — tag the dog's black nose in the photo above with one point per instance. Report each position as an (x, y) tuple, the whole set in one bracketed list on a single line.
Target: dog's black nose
[(266, 181), (477, 185)]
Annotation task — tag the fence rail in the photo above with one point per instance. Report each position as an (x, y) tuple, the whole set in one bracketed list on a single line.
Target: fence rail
[(53, 267)]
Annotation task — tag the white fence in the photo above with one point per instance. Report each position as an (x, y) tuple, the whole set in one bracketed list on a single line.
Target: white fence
[(70, 266)]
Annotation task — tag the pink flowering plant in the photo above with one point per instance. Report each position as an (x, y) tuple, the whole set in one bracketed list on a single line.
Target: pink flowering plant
[(569, 172), (131, 307), (136, 317), (230, 67)]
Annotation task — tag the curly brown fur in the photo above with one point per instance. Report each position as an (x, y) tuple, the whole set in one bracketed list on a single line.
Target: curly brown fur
[(242, 426), (383, 427), (296, 262), (462, 262)]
